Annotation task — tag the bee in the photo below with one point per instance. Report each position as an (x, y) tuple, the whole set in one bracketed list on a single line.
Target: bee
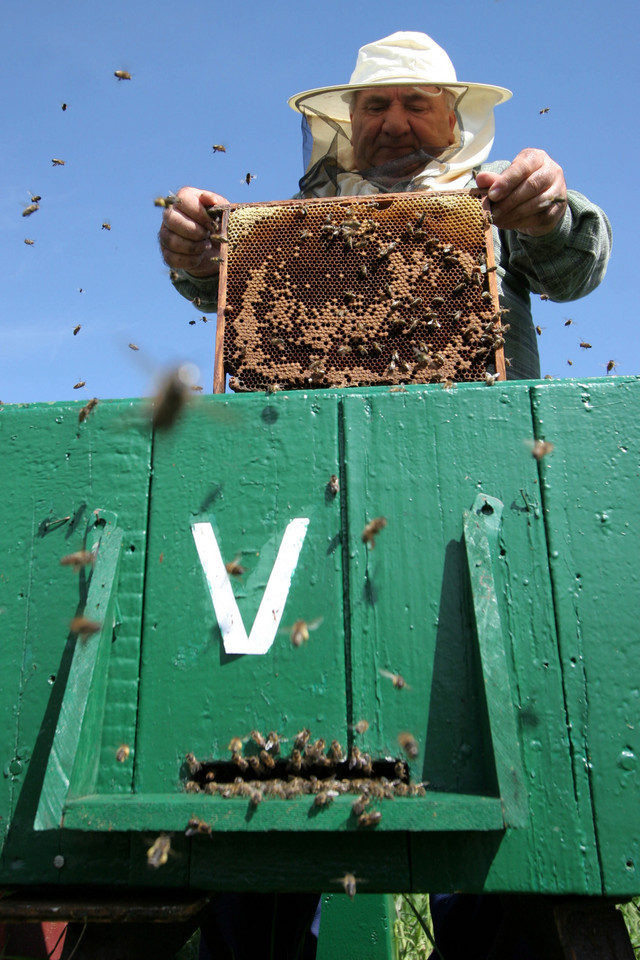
[(169, 401), (35, 197), (218, 238), (249, 177), (437, 302), (490, 378), (234, 569), (541, 448), (84, 627), (57, 163), (305, 234), (76, 329), (299, 632), (409, 744), (611, 365), (545, 296), (539, 331), (106, 225), (86, 410), (361, 726), (258, 739), (585, 345), (255, 797), (122, 74), (197, 827), (302, 212), (133, 346), (302, 739), (191, 786), (386, 251), (568, 322), (295, 760), (219, 148), (355, 758), (461, 287), (82, 558), (393, 362), (371, 819), (324, 798), (241, 762), (333, 487), (267, 760), (63, 106), (570, 362), (167, 201), (313, 752), (552, 201), (273, 742), (348, 296), (372, 529), (360, 805), (362, 270), (158, 852), (193, 765), (123, 752), (29, 243), (396, 678), (335, 751), (79, 384), (30, 209), (544, 110)]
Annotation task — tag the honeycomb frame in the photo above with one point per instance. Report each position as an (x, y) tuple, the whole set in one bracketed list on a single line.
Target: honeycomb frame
[(358, 291)]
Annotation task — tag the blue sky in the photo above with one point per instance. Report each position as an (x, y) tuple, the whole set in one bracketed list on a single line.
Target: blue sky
[(207, 72)]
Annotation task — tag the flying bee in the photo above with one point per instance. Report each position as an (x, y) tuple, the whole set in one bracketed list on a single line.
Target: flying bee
[(35, 197), (79, 384), (490, 378), (333, 487), (371, 819), (123, 752), (570, 362), (169, 401), (544, 110), (86, 410), (82, 558), (158, 852), (611, 366), (372, 529), (197, 827), (255, 797), (568, 322), (235, 744), (545, 296), (248, 178), (409, 744), (361, 726), (30, 209), (539, 331), (585, 345), (299, 632), (122, 74), (57, 163), (84, 627), (541, 448), (28, 242), (106, 225), (219, 148), (234, 569), (396, 678), (167, 201)]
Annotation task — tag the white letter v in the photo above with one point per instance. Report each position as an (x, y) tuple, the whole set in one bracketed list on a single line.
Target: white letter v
[(265, 626)]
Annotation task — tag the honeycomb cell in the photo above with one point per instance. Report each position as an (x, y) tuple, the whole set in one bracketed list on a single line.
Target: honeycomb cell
[(365, 291)]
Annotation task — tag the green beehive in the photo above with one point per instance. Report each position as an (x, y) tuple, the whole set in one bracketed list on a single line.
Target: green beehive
[(502, 591)]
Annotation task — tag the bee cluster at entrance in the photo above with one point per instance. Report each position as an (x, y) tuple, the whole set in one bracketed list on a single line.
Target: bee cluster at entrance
[(360, 291), (258, 770)]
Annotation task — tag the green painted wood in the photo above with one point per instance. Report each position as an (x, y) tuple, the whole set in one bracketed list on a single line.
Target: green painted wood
[(54, 467), (357, 929), (481, 532), (247, 465), (590, 496), (73, 760)]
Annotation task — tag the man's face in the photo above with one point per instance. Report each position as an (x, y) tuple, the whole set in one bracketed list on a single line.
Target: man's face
[(392, 122)]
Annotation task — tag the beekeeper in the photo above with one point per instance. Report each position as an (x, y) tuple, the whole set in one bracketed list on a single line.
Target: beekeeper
[(404, 122)]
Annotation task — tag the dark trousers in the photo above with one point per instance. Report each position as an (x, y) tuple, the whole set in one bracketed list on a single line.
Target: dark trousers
[(259, 926)]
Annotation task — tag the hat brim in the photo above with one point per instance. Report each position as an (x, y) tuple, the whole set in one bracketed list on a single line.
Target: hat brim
[(333, 102)]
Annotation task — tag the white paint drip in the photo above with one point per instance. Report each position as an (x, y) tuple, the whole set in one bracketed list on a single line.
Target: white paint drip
[(265, 626)]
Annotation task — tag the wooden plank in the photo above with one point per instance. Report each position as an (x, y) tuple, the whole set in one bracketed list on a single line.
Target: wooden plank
[(248, 465), (590, 496), (419, 458), (55, 467)]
